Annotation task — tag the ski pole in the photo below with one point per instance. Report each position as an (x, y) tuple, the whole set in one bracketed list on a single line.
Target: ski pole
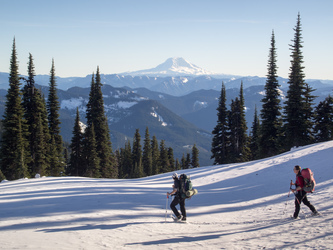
[(166, 207)]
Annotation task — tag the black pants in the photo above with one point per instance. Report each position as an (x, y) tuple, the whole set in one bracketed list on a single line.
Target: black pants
[(177, 200), (299, 198)]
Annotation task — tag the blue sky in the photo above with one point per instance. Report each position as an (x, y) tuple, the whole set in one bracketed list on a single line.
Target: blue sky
[(230, 37)]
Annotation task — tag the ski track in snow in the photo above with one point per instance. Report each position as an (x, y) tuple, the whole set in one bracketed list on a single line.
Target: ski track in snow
[(239, 206)]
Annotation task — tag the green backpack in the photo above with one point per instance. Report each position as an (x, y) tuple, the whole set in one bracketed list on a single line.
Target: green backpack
[(186, 188)]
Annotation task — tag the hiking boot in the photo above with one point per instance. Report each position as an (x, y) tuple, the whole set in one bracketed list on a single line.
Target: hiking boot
[(315, 213)]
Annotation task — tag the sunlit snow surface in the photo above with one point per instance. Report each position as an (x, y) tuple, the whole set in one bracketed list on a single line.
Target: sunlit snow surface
[(239, 206)]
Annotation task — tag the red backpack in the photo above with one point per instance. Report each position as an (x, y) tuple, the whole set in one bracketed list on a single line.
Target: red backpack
[(309, 181)]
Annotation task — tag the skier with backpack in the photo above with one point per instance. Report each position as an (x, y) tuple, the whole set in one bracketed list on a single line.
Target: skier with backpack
[(177, 199), (302, 186)]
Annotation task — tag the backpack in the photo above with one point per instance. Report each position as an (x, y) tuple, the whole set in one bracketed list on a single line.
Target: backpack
[(309, 181), (186, 189)]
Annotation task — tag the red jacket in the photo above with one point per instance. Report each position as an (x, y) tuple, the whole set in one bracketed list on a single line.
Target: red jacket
[(299, 181)]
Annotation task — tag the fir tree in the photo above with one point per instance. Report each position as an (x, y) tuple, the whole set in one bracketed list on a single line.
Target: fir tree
[(53, 108), (324, 120), (14, 147), (92, 160), (195, 157), (183, 162), (239, 150), (309, 114), (164, 158), (36, 119), (188, 161), (147, 160), (76, 157), (40, 161), (178, 165), (296, 126), (220, 140), (271, 122), (137, 155), (96, 114), (171, 159), (127, 161), (155, 156), (255, 136)]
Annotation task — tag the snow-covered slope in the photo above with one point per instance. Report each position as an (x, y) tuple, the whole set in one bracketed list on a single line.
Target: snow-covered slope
[(239, 206), (176, 66)]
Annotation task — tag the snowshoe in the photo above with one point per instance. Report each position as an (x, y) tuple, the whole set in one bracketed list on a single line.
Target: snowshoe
[(316, 213), (177, 219)]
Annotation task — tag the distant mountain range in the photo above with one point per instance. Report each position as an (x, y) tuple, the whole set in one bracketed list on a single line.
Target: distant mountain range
[(177, 101)]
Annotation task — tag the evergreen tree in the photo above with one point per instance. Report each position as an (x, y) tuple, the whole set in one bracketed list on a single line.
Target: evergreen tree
[(35, 112), (76, 162), (183, 162), (324, 120), (178, 165), (137, 155), (296, 126), (188, 161), (309, 114), (171, 159), (127, 161), (92, 160), (14, 147), (195, 157), (164, 158), (239, 150), (53, 108), (147, 160), (155, 156), (271, 122), (220, 133), (40, 157), (96, 115), (255, 136)]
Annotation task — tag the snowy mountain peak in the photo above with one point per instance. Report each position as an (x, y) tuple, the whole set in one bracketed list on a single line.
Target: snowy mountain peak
[(175, 66)]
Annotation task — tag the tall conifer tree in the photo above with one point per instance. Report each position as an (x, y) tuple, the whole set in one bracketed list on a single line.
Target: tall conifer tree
[(155, 156), (295, 109), (36, 118), (164, 158), (239, 148), (255, 136), (147, 160), (137, 155), (195, 157), (220, 132), (271, 122), (14, 148), (96, 115), (53, 108)]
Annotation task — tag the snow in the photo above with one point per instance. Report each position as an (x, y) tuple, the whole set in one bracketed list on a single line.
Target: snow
[(239, 206), (125, 105), (159, 117), (72, 103)]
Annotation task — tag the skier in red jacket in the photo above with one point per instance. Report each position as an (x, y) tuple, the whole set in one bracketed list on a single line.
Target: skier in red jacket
[(300, 194)]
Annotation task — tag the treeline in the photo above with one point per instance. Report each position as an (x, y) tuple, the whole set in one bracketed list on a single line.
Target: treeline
[(297, 123), (31, 143)]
